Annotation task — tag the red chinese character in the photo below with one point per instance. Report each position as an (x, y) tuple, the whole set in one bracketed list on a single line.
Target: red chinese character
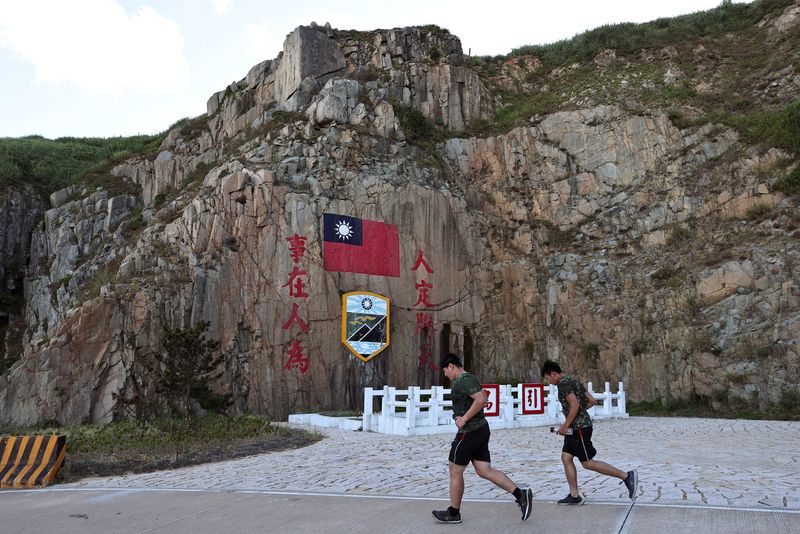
[(297, 246), (423, 288), (295, 283), (297, 360), (425, 358), (421, 261), (424, 324), (295, 318)]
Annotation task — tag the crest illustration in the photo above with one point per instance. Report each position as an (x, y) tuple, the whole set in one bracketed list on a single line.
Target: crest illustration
[(365, 323)]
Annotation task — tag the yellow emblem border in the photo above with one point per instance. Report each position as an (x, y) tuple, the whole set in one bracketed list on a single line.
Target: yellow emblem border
[(344, 324)]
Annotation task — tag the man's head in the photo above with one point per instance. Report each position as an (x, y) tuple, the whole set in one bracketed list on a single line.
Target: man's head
[(552, 371), (450, 364)]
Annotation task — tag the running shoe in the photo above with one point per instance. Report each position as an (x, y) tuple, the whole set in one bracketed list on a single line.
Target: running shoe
[(444, 516), (569, 499), (630, 483), (525, 504)]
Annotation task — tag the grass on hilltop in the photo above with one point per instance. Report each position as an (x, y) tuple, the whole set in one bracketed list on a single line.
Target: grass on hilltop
[(53, 164), (630, 38)]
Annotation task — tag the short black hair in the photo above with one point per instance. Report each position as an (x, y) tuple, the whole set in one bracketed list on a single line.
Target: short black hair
[(449, 358), (550, 366)]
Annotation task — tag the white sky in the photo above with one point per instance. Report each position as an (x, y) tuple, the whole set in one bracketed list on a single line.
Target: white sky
[(122, 67)]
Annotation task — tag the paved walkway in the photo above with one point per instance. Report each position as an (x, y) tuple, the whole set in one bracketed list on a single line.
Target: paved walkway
[(110, 511), (687, 462)]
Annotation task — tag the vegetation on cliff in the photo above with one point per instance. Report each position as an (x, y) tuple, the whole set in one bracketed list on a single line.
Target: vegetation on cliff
[(705, 67), (53, 164)]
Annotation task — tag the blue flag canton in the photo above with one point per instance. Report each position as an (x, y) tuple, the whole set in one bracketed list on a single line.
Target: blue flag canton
[(342, 229)]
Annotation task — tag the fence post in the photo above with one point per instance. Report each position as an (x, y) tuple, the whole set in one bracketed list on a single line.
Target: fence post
[(389, 399), (435, 409), (621, 403), (366, 417), (552, 401), (411, 406), (508, 405), (591, 411), (608, 401)]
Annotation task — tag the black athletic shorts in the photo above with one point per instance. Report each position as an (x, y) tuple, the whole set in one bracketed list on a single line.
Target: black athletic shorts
[(470, 446), (580, 444)]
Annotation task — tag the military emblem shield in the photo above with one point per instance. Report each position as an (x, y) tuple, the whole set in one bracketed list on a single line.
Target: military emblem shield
[(365, 323)]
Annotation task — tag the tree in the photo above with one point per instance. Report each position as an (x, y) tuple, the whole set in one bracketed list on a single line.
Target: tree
[(189, 365)]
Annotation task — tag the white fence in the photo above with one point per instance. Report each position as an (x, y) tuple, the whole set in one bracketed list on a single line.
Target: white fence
[(415, 411)]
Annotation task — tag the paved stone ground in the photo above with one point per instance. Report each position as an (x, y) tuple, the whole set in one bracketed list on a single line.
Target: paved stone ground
[(715, 462)]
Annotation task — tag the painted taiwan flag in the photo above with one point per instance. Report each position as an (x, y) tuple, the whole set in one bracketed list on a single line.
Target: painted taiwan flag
[(353, 245)]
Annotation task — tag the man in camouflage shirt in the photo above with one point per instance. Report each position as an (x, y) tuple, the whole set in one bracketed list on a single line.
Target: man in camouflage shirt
[(577, 432), (472, 442)]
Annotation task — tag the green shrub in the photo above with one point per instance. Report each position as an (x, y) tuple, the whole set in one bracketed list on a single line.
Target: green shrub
[(789, 184), (189, 365), (640, 346), (192, 128), (790, 402), (780, 128), (738, 379), (281, 118), (630, 38), (700, 342), (667, 277), (591, 351), (134, 224), (692, 305), (435, 30), (55, 164), (416, 126), (758, 213), (678, 236), (106, 275)]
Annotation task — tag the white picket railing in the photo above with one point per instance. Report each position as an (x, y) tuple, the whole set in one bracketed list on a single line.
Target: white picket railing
[(417, 411)]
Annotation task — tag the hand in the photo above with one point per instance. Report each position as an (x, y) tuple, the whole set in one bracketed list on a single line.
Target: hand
[(460, 422), (562, 430)]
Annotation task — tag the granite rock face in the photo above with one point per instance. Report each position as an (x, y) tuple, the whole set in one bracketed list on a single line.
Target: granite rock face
[(570, 238), (21, 208)]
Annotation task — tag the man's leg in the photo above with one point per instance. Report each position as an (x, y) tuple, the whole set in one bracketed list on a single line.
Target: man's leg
[(604, 468), (570, 472), (456, 484), (501, 480), (485, 470)]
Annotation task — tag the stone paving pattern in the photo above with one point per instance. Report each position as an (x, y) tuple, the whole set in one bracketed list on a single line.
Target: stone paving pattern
[(718, 462)]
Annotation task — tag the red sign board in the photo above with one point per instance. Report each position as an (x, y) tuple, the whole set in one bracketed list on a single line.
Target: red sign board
[(532, 401), (492, 406)]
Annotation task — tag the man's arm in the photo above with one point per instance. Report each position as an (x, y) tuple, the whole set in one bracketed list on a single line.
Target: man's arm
[(590, 400), (479, 399), (574, 406)]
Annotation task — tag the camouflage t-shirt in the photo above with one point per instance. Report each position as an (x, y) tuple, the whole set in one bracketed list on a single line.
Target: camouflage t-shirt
[(463, 388), (567, 385)]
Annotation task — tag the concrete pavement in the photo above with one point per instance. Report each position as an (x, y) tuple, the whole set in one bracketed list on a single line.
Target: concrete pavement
[(694, 474), (141, 511)]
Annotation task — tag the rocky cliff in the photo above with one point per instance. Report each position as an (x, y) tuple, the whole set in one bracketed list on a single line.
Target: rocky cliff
[(604, 235)]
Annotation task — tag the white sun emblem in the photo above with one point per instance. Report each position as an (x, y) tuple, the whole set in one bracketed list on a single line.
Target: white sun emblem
[(344, 230), (366, 303)]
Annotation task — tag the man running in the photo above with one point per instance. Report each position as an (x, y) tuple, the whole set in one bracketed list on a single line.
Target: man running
[(575, 400), (472, 442)]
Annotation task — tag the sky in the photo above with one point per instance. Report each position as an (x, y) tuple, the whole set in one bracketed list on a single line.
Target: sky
[(104, 68)]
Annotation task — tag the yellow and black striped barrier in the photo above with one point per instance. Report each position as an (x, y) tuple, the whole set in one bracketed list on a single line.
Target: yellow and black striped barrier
[(28, 461)]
